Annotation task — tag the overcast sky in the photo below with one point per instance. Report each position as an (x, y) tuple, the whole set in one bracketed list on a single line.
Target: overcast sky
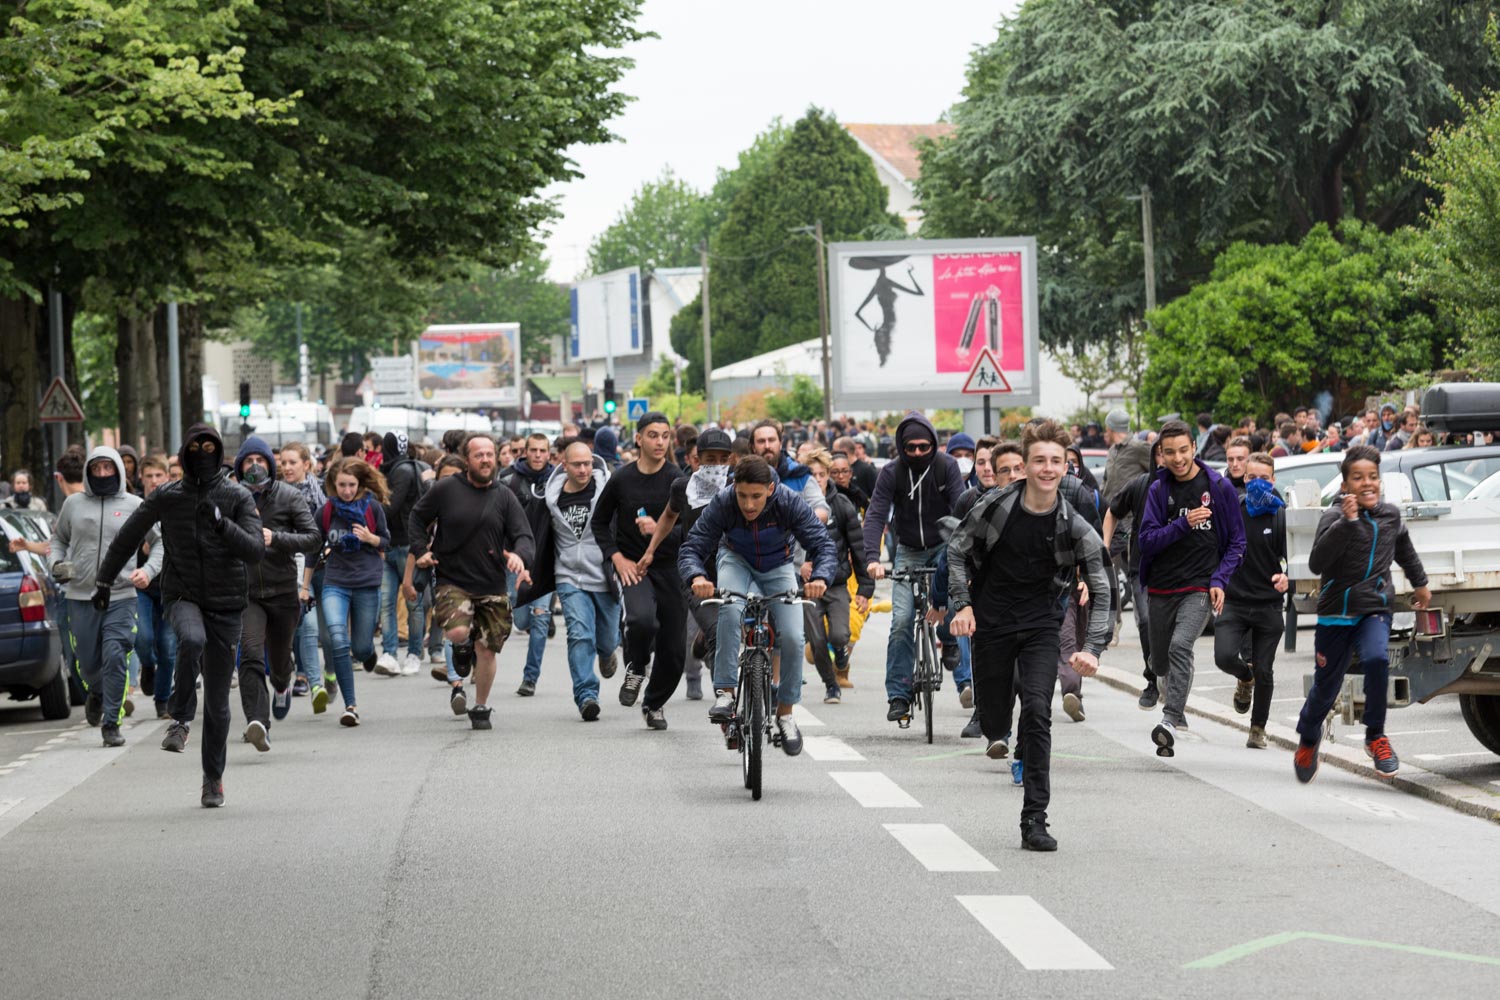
[(721, 71)]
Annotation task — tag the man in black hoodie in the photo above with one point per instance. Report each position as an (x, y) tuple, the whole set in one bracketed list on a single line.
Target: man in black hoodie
[(210, 533), (915, 491), (272, 614), (403, 477)]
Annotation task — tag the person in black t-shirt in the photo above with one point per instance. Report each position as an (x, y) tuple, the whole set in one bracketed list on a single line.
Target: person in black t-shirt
[(1192, 540), (1022, 547), (1252, 604), (625, 518), (1126, 508)]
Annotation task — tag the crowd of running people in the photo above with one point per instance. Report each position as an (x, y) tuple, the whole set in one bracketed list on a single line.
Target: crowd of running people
[(280, 571)]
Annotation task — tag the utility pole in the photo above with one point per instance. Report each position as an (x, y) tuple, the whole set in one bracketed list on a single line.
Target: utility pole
[(823, 323), (59, 369), (1148, 242), (708, 351), (174, 380)]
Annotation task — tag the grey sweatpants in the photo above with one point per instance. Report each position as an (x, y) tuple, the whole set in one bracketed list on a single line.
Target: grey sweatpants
[(102, 642), (1176, 621)]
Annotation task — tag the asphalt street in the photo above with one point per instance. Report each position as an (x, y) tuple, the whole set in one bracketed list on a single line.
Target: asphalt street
[(413, 857)]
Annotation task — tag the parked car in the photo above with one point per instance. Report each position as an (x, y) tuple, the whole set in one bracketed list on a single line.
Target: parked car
[(1435, 474), (1321, 467), (30, 643)]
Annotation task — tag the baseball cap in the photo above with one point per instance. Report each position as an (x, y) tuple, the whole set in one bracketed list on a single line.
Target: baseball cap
[(714, 440)]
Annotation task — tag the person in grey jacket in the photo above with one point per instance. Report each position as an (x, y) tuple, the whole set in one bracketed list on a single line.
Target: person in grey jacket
[(101, 611), (590, 605)]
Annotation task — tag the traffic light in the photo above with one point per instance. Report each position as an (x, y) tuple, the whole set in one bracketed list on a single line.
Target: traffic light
[(609, 397), (244, 400)]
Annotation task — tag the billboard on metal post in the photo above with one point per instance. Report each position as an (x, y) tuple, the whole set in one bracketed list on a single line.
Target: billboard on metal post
[(606, 309), (908, 318), (470, 365)]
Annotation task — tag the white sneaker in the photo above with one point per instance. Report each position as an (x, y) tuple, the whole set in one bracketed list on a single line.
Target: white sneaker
[(438, 657), (791, 736), (723, 706), (386, 666), (411, 665), (255, 735)]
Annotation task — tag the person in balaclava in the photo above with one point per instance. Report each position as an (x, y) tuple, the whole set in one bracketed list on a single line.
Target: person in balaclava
[(272, 611), (212, 533), (915, 491), (101, 595), (607, 447), (132, 464), (403, 478)]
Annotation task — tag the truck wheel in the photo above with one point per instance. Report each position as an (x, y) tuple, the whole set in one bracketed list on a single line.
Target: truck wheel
[(56, 703), (1482, 715)]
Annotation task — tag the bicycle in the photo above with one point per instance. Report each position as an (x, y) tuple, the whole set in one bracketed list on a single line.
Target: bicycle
[(754, 722), (927, 667)]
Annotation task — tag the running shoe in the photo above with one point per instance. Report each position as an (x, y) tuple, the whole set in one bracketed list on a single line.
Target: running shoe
[(479, 717), (1243, 691), (997, 750), (411, 665), (458, 701), (527, 688), (300, 687), (386, 666), (723, 707), (1034, 835), (1386, 761), (630, 688), (1257, 738), (350, 717), (1017, 772), (1073, 706), (439, 671), (832, 695), (111, 734), (176, 738), (1150, 695), (966, 695), (319, 700), (589, 710), (213, 793), (655, 718), (972, 729), (256, 736), (281, 704), (1305, 761), (791, 736), (899, 709), (609, 664), (1164, 740)]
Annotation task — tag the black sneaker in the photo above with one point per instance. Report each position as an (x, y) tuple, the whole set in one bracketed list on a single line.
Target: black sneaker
[(1243, 691), (479, 717), (1164, 740), (589, 710), (369, 663), (1378, 749), (900, 708), (458, 701), (527, 688), (1305, 761), (972, 729), (609, 664), (791, 736), (1149, 697), (111, 734), (176, 738), (281, 704), (630, 687), (213, 793), (700, 645), (1034, 835), (463, 658), (93, 708), (655, 718)]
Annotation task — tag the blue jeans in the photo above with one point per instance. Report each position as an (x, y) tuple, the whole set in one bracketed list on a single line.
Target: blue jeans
[(1335, 645), (593, 621), (390, 592), (901, 648), (736, 574), (305, 648), (155, 644), (350, 614), (532, 619)]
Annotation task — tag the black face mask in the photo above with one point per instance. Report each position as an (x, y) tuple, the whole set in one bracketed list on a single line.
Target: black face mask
[(203, 465), (104, 486), (23, 499), (918, 463)]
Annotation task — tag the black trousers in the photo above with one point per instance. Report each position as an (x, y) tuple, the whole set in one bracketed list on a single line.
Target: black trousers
[(266, 642), (1027, 659), (1257, 628), (206, 642), (656, 631)]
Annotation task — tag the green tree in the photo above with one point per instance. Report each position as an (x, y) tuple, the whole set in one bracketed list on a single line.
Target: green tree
[(1248, 121), (663, 226), (799, 399), (1276, 324)]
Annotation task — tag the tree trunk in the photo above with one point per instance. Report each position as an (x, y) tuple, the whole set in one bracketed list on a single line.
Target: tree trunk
[(125, 388), (77, 433), (23, 378), (190, 348), (163, 376), (152, 389)]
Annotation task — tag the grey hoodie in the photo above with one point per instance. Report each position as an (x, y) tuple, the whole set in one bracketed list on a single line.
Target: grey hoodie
[(580, 562), (87, 524)]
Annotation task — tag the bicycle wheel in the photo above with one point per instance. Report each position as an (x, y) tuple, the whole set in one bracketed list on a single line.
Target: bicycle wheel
[(753, 679), (930, 675)]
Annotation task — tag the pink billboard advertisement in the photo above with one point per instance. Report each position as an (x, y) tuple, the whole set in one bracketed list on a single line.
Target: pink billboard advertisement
[(977, 303)]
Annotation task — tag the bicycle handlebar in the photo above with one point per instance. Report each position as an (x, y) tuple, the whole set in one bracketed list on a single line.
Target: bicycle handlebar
[(731, 596)]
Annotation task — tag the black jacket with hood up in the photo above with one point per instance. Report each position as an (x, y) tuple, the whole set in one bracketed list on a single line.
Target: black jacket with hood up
[(913, 495), (283, 510), (201, 566)]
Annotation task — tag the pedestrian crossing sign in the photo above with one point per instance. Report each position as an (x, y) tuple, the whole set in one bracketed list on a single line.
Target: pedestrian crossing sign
[(59, 405), (637, 407), (985, 375)]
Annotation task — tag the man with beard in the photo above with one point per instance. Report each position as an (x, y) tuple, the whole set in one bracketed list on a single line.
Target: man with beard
[(765, 441)]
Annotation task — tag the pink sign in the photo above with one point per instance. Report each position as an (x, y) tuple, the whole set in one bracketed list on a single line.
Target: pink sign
[(977, 302)]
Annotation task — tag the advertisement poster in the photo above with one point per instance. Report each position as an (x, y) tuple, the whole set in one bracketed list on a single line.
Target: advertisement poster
[(470, 365), (606, 316), (909, 319)]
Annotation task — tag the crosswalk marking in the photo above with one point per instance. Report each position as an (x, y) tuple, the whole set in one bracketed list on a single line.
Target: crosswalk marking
[(1036, 938), (939, 848), (804, 718), (874, 790), (829, 748)]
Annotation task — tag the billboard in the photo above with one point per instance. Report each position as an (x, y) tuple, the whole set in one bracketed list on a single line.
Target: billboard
[(908, 318), (606, 316), (470, 364)]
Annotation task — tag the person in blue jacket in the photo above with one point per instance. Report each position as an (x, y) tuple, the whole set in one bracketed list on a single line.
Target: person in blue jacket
[(749, 530)]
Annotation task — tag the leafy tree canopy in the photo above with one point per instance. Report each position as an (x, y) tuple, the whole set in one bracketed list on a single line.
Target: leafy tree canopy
[(661, 227)]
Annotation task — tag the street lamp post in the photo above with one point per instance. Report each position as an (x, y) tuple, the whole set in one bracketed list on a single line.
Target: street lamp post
[(816, 232)]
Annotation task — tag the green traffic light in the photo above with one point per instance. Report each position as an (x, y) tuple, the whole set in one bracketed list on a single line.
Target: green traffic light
[(610, 406), (244, 412)]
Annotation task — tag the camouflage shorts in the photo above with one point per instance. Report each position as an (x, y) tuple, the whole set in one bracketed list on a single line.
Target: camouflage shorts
[(489, 614)]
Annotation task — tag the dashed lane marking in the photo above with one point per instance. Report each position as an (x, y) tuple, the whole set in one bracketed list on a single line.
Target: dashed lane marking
[(829, 748), (874, 790), (1037, 939), (939, 848)]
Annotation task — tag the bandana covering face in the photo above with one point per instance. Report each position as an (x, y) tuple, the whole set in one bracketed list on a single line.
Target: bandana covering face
[(1261, 497), (705, 484)]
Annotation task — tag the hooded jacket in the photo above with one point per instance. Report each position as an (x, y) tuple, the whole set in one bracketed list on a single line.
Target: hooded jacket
[(530, 487), (798, 478), (283, 510), (87, 525), (765, 543), (1124, 462), (1354, 559), (607, 447), (403, 479), (201, 565), (579, 561), (849, 544), (1159, 528), (913, 500), (131, 483)]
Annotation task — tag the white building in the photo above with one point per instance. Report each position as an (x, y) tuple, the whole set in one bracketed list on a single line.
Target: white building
[(893, 150)]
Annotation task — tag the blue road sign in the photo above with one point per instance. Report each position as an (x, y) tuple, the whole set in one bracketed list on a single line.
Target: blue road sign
[(636, 408)]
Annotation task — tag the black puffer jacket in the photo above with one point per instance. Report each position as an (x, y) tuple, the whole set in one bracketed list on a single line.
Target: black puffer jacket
[(849, 543), (293, 530), (202, 565)]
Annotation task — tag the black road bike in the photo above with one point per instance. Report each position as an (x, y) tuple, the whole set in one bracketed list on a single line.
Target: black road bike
[(927, 666)]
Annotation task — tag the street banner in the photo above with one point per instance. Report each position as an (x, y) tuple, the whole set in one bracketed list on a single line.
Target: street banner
[(909, 318), (470, 365)]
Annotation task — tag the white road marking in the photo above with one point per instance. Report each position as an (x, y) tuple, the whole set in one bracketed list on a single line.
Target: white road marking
[(6, 805), (1370, 806), (30, 756), (1419, 732), (939, 848), (1451, 756), (1036, 938), (829, 748), (1211, 687), (1276, 701), (804, 718), (874, 790)]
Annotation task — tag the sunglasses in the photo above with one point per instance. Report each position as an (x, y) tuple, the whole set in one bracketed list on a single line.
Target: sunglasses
[(918, 448)]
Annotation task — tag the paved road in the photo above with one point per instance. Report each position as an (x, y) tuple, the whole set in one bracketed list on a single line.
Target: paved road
[(414, 857)]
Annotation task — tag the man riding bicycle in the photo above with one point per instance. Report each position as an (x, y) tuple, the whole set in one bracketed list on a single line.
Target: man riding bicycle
[(749, 528)]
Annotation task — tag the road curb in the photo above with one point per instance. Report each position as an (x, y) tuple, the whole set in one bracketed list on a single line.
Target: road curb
[(1413, 779)]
